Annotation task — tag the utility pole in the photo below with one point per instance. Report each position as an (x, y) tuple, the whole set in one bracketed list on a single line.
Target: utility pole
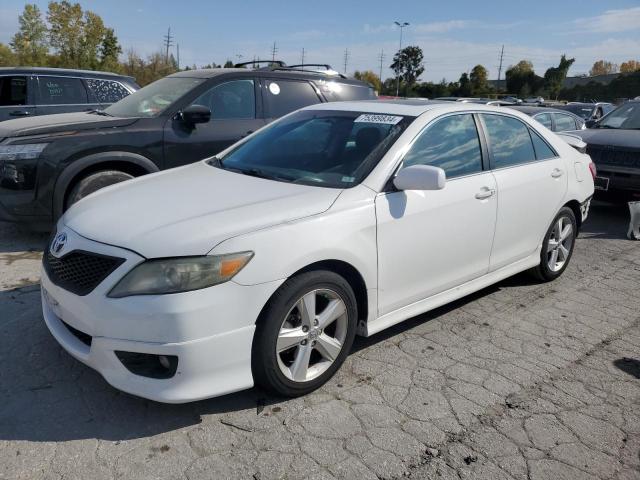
[(178, 54), (381, 58), (401, 25), (346, 59), (500, 67), (168, 42), (302, 58), (274, 50)]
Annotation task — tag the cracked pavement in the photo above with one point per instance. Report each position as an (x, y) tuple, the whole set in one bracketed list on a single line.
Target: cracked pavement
[(519, 381)]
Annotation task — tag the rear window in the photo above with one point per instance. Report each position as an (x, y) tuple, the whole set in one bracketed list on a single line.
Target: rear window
[(13, 91), (107, 91), (60, 91), (337, 92)]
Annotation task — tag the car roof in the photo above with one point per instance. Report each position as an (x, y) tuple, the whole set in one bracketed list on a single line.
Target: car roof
[(60, 71), (275, 73), (411, 107), (532, 110)]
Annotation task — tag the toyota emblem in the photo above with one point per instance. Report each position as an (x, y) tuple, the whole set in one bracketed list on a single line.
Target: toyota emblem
[(58, 243)]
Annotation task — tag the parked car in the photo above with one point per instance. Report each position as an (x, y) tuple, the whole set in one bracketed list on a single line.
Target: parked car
[(614, 146), (50, 163), (589, 112), (534, 100), (261, 264), (552, 118), (43, 91)]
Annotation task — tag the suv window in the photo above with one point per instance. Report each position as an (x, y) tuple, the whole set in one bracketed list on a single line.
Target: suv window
[(234, 99), (509, 140), (13, 91), (107, 91), (451, 144), (544, 119), (61, 90), (564, 123), (285, 96)]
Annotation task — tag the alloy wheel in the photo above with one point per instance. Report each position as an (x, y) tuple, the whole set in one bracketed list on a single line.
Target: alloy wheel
[(560, 244)]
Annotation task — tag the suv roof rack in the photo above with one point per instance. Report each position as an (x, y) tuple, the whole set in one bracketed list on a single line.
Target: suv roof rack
[(279, 63)]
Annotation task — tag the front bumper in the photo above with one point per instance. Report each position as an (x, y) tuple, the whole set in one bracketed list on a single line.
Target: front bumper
[(209, 330)]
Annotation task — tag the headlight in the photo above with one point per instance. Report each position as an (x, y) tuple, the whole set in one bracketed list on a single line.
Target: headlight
[(173, 275), (28, 151)]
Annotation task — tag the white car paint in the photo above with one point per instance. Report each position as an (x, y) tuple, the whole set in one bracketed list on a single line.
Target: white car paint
[(414, 250)]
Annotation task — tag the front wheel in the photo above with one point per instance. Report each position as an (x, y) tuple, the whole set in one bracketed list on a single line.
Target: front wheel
[(94, 182), (557, 246), (305, 333)]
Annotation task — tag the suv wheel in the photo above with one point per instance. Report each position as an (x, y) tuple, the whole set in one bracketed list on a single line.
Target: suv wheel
[(94, 182), (305, 334), (557, 246)]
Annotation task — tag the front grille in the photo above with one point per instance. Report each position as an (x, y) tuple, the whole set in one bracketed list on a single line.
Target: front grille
[(78, 271), (615, 156)]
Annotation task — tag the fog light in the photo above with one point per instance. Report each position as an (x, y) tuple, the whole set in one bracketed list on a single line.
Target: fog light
[(149, 365), (164, 361)]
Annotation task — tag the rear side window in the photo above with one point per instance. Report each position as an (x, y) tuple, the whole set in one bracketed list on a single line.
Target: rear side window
[(509, 141), (544, 119), (343, 92), (285, 96), (564, 123), (13, 91), (61, 90), (543, 151), (234, 99), (107, 91), (451, 144)]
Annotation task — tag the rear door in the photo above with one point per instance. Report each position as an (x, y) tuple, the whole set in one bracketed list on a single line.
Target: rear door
[(236, 112), (531, 182), (16, 96), (61, 95), (282, 96)]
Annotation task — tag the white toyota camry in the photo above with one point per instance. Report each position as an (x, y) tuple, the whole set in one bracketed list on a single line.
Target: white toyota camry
[(260, 265)]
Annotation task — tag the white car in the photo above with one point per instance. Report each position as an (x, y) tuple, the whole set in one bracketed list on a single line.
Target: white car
[(260, 265)]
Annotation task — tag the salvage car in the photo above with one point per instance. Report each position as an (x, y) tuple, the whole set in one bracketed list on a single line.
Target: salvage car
[(49, 163), (260, 265)]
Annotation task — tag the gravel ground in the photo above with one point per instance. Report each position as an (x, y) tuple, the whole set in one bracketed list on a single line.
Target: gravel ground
[(521, 380)]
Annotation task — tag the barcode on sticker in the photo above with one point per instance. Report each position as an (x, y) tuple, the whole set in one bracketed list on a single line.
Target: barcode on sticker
[(376, 118)]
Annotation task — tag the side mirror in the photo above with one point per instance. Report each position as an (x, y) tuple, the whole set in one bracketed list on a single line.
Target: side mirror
[(590, 123), (195, 114), (420, 177)]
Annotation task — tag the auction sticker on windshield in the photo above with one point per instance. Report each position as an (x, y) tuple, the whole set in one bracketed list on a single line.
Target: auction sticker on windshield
[(376, 118)]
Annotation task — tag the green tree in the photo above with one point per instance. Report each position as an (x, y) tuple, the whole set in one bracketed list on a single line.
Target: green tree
[(110, 50), (408, 65), (7, 57), (522, 80), (369, 77), (30, 42), (554, 77), (228, 64), (603, 67), (464, 86), (479, 80)]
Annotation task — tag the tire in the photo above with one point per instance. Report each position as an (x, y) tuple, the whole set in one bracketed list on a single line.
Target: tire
[(94, 182), (548, 269), (277, 371)]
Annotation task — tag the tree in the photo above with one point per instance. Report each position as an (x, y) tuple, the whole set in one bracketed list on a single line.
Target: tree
[(478, 79), (630, 66), (30, 42), (228, 64), (408, 65), (369, 77), (603, 67), (7, 57), (554, 77), (522, 80), (464, 86), (110, 50)]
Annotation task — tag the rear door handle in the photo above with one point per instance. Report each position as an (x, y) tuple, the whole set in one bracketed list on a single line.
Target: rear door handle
[(556, 173), (485, 192), (19, 113)]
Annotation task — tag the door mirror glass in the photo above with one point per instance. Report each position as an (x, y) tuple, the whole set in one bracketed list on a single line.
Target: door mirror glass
[(194, 114), (420, 177)]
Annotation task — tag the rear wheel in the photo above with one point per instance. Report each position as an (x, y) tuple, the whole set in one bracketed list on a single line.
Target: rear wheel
[(94, 182), (305, 333), (557, 246)]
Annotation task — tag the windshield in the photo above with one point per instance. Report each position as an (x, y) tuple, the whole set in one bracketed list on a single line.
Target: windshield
[(153, 99), (335, 149), (583, 111), (626, 117)]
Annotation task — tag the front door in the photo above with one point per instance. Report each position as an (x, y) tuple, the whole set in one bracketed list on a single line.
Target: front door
[(234, 115), (16, 97), (430, 241)]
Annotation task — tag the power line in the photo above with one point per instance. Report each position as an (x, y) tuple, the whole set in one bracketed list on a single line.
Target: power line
[(381, 58), (346, 59), (168, 42)]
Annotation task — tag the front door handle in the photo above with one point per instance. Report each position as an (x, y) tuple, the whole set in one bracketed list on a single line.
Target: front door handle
[(485, 192), (19, 113), (556, 173)]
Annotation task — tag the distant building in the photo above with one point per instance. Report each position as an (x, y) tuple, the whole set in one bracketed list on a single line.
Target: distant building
[(569, 82)]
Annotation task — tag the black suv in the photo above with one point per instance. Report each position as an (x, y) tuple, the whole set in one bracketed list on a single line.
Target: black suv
[(48, 163), (43, 91)]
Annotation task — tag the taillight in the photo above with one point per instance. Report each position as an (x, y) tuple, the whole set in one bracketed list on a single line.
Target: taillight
[(592, 169)]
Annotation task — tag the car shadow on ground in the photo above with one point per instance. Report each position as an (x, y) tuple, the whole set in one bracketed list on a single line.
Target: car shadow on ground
[(607, 220), (630, 366)]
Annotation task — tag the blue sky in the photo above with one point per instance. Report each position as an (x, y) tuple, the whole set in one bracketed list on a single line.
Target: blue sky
[(454, 36)]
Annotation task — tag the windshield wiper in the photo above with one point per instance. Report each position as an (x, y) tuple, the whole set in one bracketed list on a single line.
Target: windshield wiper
[(256, 172)]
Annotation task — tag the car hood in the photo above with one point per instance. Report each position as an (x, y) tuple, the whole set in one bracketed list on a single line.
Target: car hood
[(58, 123), (189, 210), (609, 136)]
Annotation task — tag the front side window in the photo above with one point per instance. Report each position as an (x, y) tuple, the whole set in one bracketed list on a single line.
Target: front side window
[(13, 91), (61, 91), (235, 99), (285, 96), (155, 98), (544, 119), (107, 91), (509, 141), (451, 144), (564, 123), (335, 149)]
